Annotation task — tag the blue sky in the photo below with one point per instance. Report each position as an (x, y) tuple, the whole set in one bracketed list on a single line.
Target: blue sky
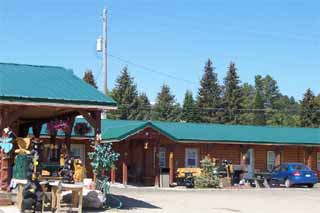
[(280, 38)]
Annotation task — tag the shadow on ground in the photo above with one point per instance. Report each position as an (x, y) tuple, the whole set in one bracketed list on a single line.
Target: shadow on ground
[(129, 203)]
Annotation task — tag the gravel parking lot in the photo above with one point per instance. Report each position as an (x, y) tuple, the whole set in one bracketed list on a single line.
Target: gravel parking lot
[(295, 200), (282, 200)]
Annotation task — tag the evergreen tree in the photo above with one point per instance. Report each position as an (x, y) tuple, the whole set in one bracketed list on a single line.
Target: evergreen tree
[(271, 91), (89, 78), (166, 108), (209, 95), (308, 111), (189, 108), (284, 113), (125, 94), (143, 108), (259, 103), (248, 92), (259, 109), (232, 96)]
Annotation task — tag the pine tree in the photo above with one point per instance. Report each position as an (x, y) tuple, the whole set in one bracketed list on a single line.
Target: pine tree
[(232, 96), (125, 94), (166, 108), (189, 108), (248, 93), (89, 78), (209, 95), (260, 118), (308, 113), (143, 109)]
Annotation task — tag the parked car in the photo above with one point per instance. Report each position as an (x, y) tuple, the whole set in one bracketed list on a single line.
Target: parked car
[(291, 174)]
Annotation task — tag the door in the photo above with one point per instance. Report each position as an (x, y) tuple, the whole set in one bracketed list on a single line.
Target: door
[(249, 164)]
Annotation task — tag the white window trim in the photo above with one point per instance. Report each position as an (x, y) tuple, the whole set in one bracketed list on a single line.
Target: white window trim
[(162, 149), (83, 148), (196, 158), (318, 161), (271, 162)]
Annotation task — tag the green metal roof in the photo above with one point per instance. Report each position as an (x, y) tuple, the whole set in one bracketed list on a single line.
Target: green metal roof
[(185, 132), (47, 84), (118, 130)]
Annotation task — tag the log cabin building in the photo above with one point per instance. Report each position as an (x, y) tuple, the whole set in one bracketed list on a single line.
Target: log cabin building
[(146, 147), (32, 95)]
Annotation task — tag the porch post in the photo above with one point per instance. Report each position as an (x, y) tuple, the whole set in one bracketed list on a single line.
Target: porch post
[(113, 175), (5, 158), (171, 167), (308, 157), (125, 170), (157, 169), (278, 151), (68, 134), (243, 152)]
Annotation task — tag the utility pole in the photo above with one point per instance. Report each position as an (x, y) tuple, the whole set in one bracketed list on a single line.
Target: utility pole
[(104, 52)]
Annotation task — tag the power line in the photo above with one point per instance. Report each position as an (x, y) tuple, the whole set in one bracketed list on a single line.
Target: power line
[(151, 69), (221, 109)]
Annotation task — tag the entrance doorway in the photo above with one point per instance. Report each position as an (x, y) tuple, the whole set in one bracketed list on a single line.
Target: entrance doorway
[(249, 164)]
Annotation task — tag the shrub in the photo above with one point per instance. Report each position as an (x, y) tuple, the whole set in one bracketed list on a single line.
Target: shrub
[(209, 176)]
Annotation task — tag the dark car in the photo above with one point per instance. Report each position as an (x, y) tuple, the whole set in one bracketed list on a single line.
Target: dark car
[(291, 174)]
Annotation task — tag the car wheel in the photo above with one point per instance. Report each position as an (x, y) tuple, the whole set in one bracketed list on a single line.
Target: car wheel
[(310, 185), (287, 183)]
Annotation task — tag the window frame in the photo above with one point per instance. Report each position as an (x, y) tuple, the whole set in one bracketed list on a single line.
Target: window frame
[(162, 150), (318, 161), (271, 162), (82, 151), (187, 157)]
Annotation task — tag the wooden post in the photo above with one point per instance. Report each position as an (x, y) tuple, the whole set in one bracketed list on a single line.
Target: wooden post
[(156, 165), (5, 176), (113, 175), (279, 155), (68, 133), (308, 157), (243, 152), (171, 167), (124, 170)]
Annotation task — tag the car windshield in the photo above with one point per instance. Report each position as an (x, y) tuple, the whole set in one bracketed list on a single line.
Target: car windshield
[(299, 167)]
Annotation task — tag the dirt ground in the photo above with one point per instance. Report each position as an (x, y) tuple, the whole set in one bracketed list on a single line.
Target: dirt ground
[(281, 200)]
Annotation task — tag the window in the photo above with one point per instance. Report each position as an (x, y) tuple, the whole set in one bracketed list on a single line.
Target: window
[(191, 158), (78, 150), (271, 160), (162, 157), (318, 161)]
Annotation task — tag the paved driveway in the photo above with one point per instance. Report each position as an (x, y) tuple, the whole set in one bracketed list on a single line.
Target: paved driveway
[(224, 201)]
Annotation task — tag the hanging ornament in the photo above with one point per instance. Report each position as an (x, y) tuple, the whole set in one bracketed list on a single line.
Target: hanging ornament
[(6, 139)]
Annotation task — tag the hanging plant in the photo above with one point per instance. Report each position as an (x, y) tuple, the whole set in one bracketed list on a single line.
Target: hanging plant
[(82, 129), (54, 126)]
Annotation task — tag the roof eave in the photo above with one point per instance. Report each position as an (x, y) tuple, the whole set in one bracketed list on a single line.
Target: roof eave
[(249, 142), (87, 105)]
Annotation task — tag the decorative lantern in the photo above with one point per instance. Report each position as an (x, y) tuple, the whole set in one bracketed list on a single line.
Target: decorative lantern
[(146, 145)]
